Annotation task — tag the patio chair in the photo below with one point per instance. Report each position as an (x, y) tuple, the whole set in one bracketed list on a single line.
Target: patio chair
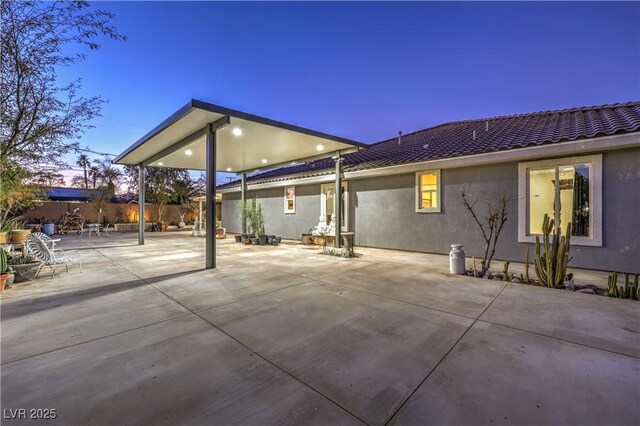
[(49, 257), (111, 224), (51, 243)]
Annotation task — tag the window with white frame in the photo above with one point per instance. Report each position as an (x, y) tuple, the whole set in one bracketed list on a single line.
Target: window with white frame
[(327, 203), (568, 190), (428, 191)]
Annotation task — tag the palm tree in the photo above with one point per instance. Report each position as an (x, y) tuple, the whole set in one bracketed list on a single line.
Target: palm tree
[(84, 162), (111, 177), (94, 174)]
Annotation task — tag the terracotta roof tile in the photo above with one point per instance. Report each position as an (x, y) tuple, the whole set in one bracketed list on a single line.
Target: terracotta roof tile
[(455, 139)]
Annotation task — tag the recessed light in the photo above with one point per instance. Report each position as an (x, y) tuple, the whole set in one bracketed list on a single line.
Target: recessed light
[(160, 163), (293, 163), (264, 161), (237, 131), (188, 152), (319, 147), (228, 169)]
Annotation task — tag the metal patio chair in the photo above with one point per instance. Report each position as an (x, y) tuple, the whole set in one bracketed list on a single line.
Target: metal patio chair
[(51, 243), (50, 257)]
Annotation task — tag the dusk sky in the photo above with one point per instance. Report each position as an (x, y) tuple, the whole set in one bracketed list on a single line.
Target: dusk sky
[(359, 70)]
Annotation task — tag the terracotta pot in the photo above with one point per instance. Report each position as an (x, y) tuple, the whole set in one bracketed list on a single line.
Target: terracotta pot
[(247, 241), (3, 280), (19, 235), (4, 238)]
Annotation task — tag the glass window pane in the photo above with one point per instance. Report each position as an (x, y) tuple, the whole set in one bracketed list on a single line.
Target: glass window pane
[(428, 190), (575, 204), (541, 197), (329, 194)]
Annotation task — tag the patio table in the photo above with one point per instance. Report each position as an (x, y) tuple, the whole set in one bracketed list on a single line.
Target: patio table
[(95, 227)]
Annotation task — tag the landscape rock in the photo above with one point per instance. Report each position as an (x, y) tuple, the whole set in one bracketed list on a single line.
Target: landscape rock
[(588, 287), (570, 285), (516, 280), (587, 291)]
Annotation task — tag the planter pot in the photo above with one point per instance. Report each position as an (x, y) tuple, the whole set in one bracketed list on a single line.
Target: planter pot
[(4, 238), (255, 241), (238, 238), (181, 224), (11, 279), (26, 272), (275, 241), (262, 239), (49, 228), (247, 241), (3, 280), (163, 226), (19, 235)]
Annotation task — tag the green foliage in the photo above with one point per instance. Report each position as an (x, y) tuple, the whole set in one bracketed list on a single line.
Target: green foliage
[(505, 272), (251, 213), (12, 224), (551, 265), (20, 260), (628, 291), (4, 265), (17, 194)]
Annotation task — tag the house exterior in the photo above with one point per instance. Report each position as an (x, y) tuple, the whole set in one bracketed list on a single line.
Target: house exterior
[(578, 165)]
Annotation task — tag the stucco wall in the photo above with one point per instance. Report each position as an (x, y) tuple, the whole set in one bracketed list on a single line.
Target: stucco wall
[(382, 213), (276, 221)]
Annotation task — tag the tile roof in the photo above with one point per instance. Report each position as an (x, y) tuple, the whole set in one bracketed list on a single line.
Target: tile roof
[(61, 193), (455, 139)]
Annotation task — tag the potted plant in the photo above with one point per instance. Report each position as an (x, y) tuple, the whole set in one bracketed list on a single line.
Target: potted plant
[(24, 267), (48, 227), (257, 223), (220, 231), (5, 228), (4, 269), (181, 213), (18, 233)]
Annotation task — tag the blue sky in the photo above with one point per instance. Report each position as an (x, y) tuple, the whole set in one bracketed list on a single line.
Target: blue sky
[(358, 70)]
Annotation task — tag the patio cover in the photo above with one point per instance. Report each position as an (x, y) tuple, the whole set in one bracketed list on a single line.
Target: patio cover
[(203, 136)]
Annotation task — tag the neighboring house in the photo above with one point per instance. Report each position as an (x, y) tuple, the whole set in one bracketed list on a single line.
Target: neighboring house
[(60, 193), (404, 193)]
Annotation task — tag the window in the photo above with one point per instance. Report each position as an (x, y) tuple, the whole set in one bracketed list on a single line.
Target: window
[(327, 203), (289, 199), (568, 190), (428, 191)]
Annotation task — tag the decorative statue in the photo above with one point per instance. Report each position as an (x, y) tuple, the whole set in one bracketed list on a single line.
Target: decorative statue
[(322, 229)]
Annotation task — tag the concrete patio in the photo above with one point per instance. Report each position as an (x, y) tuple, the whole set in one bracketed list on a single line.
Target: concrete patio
[(284, 335)]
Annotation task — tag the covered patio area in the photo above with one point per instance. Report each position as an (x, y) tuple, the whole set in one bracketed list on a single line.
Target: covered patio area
[(204, 136), (285, 335)]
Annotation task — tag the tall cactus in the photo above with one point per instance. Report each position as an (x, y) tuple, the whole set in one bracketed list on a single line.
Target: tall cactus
[(4, 265), (551, 266)]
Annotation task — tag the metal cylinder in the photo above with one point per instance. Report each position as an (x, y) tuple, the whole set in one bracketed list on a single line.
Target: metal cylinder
[(456, 259)]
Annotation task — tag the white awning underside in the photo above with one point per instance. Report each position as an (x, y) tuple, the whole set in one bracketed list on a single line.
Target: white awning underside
[(262, 144)]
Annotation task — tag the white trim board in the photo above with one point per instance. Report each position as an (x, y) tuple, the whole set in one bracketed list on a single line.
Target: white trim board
[(583, 146)]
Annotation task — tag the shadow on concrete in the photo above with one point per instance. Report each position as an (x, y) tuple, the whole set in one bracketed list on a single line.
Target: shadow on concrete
[(21, 306)]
